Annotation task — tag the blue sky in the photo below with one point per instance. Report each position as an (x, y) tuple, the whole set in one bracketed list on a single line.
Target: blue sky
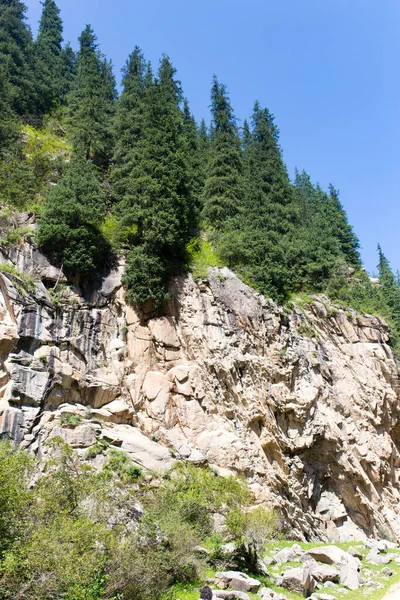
[(327, 69)]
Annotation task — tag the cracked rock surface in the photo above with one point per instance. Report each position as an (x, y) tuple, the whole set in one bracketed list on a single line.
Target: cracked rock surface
[(304, 403)]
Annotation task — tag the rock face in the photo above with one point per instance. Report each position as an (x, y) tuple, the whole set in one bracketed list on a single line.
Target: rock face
[(303, 403)]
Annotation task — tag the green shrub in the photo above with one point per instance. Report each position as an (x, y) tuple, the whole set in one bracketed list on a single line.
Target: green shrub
[(119, 463), (201, 256), (67, 420), (23, 283)]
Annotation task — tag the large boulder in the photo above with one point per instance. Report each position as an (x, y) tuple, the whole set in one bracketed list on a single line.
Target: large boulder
[(331, 555), (286, 555), (376, 558), (236, 580), (322, 573), (299, 580), (349, 576)]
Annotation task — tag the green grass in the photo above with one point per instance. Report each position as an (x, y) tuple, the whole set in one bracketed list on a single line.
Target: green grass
[(201, 257), (22, 282), (190, 591)]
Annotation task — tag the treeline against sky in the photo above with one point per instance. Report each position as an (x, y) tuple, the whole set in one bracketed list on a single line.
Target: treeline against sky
[(137, 175)]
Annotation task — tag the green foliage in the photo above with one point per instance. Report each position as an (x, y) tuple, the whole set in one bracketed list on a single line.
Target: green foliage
[(118, 463), (47, 152), (201, 256), (15, 469), (15, 236), (193, 494), (16, 58), (90, 103), (23, 283), (68, 227), (155, 194), (48, 57), (72, 421), (223, 191)]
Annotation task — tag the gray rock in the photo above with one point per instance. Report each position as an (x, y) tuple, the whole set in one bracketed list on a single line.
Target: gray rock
[(237, 580), (354, 552), (230, 595), (286, 555), (349, 576), (376, 558), (322, 573), (387, 571), (299, 580), (331, 555)]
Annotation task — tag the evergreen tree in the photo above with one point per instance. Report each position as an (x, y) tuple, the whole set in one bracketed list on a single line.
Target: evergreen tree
[(223, 191), (314, 254), (196, 171), (257, 239), (336, 216), (156, 200), (390, 293), (15, 57), (130, 119), (48, 52), (91, 102), (68, 226)]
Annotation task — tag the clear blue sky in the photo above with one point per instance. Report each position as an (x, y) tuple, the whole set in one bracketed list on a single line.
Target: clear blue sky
[(327, 69)]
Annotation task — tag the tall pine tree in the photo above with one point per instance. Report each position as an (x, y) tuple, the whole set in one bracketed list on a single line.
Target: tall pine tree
[(48, 54), (157, 198), (91, 102), (16, 58), (130, 119), (223, 192)]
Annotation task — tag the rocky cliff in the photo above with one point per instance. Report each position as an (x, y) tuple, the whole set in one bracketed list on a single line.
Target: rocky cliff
[(303, 403)]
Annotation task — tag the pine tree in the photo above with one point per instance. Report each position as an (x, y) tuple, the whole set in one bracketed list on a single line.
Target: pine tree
[(257, 239), (67, 72), (196, 171), (390, 289), (68, 226), (16, 57), (341, 229), (156, 200), (223, 191), (314, 252), (130, 119), (48, 54), (91, 102)]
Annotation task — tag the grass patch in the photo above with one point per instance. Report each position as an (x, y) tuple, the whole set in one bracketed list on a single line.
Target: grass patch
[(23, 283), (15, 236), (201, 257), (190, 591)]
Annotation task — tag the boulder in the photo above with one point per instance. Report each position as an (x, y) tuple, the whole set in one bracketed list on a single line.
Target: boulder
[(237, 580), (349, 576), (322, 573), (299, 580), (376, 558), (331, 555), (230, 595), (387, 571), (286, 555), (354, 552)]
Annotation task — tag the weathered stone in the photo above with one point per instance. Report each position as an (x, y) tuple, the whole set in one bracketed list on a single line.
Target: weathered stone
[(354, 552), (349, 576), (299, 580), (231, 595), (322, 573), (268, 594), (237, 580), (286, 555), (332, 555), (376, 558)]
